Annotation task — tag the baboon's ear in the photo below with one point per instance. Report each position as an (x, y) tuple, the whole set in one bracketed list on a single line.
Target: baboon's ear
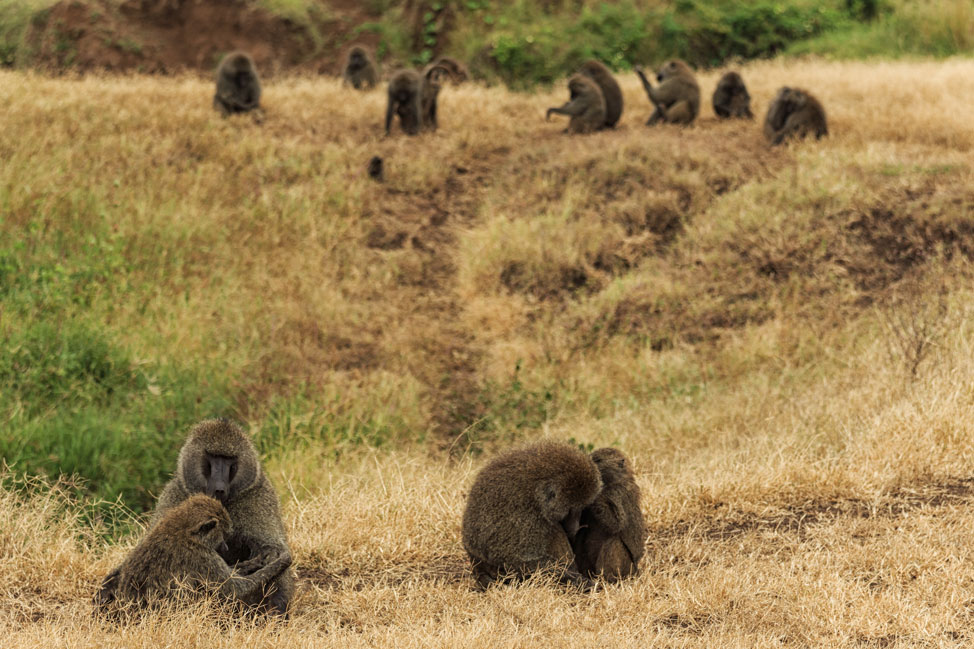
[(207, 526)]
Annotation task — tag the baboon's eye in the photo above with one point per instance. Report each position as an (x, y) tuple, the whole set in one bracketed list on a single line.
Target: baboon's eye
[(207, 526)]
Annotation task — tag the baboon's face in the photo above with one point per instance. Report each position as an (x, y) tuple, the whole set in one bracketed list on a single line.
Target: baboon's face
[(612, 465), (356, 59), (668, 70), (219, 471), (212, 534)]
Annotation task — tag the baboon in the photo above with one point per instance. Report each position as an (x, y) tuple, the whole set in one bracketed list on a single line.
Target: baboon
[(677, 97), (611, 92), (180, 557), (375, 168), (455, 70), (360, 70), (794, 112), (237, 85), (612, 533), (432, 82), (731, 98), (523, 512), (406, 101), (586, 106)]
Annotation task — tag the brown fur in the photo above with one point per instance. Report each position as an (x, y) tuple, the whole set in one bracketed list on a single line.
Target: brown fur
[(586, 106), (677, 97), (731, 98), (794, 113), (405, 100), (612, 532), (523, 511), (237, 85), (360, 70), (611, 92), (456, 71)]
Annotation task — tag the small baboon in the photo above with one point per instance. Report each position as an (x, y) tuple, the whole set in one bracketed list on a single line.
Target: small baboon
[(405, 100), (523, 512), (794, 112), (677, 97), (585, 106), (180, 557), (237, 85), (375, 168), (731, 98), (218, 459), (612, 534), (611, 92), (360, 70), (456, 71)]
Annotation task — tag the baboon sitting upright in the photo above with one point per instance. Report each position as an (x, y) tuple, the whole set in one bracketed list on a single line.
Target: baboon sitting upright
[(405, 100), (611, 92), (731, 98), (523, 512), (612, 534), (237, 85), (179, 557), (360, 70), (794, 112), (585, 106), (677, 97)]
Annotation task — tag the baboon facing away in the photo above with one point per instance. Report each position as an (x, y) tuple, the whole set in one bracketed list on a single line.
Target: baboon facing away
[(360, 70), (179, 557), (731, 98), (611, 92), (405, 100), (677, 97), (612, 533), (218, 459), (523, 512), (237, 85), (794, 112), (585, 106)]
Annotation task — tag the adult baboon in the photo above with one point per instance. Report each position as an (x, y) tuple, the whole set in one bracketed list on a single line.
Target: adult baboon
[(360, 70), (612, 534), (794, 112), (456, 71), (180, 557), (405, 100), (218, 459), (523, 512), (611, 92), (677, 97), (731, 98), (586, 106), (237, 85), (432, 82)]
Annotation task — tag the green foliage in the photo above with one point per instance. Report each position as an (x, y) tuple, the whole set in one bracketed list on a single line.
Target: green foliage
[(508, 409), (15, 17)]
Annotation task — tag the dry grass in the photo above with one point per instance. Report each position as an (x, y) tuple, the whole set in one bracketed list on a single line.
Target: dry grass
[(714, 308)]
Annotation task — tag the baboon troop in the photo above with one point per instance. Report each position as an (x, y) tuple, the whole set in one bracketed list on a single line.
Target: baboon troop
[(586, 106), (360, 70), (794, 113), (181, 557), (237, 85), (731, 98), (523, 512), (219, 460), (612, 533), (676, 99), (611, 92)]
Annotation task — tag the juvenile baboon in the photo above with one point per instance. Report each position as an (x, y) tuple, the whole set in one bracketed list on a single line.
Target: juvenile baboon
[(523, 512), (360, 70), (405, 100), (731, 98), (218, 459), (456, 71), (677, 97), (180, 557), (794, 112), (585, 106), (611, 92), (612, 533), (375, 168), (237, 85)]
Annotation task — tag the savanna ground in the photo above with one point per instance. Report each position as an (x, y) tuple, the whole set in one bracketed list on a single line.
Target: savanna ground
[(780, 339)]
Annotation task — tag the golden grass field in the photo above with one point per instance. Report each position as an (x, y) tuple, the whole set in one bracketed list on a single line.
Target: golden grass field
[(729, 315)]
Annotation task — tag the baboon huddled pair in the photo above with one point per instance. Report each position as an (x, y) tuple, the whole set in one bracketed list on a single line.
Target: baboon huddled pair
[(595, 100), (413, 97), (217, 528), (550, 508)]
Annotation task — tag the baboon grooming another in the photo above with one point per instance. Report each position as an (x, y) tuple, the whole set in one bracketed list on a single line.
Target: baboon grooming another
[(180, 557), (677, 97), (794, 112), (611, 92), (731, 98), (586, 106), (218, 459), (612, 534), (360, 70), (237, 85), (523, 512)]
